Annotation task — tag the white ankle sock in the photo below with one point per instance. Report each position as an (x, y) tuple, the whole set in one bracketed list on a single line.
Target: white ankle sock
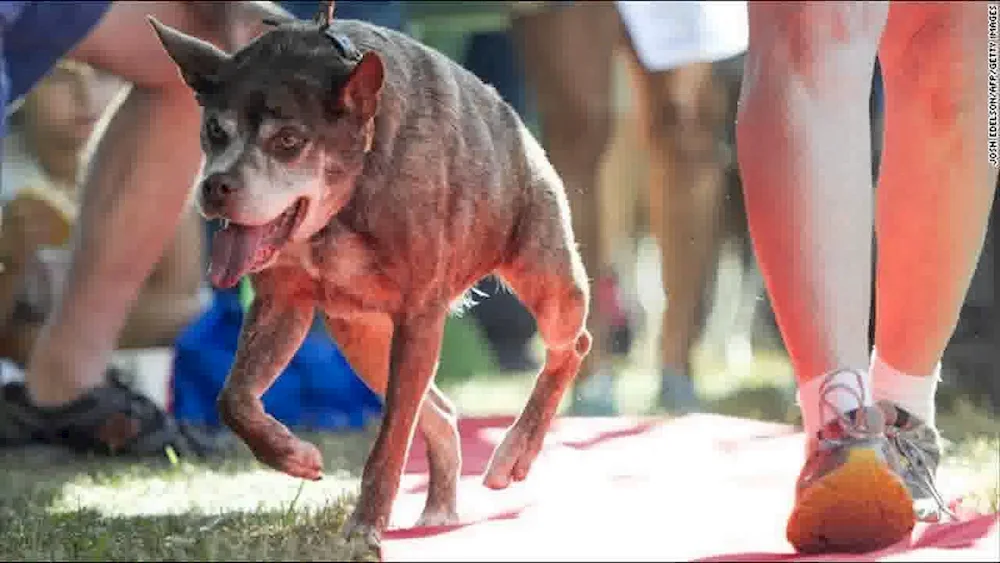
[(913, 393), (815, 416)]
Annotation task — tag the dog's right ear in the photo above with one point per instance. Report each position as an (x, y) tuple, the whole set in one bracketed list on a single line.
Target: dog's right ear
[(364, 87), (198, 61)]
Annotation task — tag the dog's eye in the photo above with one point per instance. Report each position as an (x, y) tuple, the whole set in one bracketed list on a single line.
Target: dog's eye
[(287, 142), (214, 131)]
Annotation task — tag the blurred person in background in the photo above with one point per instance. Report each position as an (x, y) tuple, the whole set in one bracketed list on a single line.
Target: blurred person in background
[(44, 155), (687, 66), (133, 196), (686, 71), (568, 53)]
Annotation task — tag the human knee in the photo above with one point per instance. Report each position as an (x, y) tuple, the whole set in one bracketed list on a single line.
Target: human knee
[(582, 127), (943, 86), (115, 47), (828, 47), (691, 125), (231, 24)]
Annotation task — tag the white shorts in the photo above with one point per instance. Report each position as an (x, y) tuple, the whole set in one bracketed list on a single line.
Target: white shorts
[(667, 35)]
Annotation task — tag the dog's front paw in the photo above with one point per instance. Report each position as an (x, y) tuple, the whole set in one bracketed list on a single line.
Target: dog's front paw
[(512, 459), (270, 441), (295, 457)]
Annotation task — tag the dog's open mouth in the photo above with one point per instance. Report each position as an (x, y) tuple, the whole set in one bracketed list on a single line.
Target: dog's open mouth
[(238, 250)]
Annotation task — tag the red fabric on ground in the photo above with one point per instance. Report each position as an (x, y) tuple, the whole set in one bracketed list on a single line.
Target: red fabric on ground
[(700, 487)]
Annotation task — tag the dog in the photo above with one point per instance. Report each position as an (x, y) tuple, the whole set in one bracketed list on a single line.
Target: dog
[(358, 173)]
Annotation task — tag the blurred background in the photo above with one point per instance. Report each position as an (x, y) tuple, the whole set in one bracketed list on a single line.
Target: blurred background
[(641, 132)]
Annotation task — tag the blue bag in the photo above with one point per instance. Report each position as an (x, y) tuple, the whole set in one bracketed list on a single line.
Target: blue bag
[(317, 391)]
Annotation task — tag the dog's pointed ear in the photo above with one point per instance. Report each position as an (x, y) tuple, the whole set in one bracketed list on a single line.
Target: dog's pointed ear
[(198, 61), (364, 87)]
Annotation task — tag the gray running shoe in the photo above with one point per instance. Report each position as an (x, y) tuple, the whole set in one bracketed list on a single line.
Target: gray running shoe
[(849, 496), (919, 447)]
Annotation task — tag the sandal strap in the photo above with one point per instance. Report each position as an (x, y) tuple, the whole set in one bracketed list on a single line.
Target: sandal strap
[(111, 419)]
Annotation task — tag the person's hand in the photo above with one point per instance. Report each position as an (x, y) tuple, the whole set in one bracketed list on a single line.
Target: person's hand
[(33, 219)]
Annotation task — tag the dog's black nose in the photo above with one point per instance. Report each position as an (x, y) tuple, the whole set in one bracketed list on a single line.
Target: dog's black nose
[(217, 188)]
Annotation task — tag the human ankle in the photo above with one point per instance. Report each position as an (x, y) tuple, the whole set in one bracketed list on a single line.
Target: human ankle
[(824, 397), (47, 393), (53, 380), (914, 393)]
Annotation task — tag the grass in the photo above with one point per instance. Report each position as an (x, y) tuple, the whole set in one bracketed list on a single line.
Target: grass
[(52, 508), (98, 510)]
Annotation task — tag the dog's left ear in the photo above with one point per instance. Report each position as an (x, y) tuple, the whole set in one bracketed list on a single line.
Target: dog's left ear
[(198, 61), (361, 93)]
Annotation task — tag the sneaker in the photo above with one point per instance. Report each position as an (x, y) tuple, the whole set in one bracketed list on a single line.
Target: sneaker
[(111, 420), (677, 393), (919, 448), (610, 302), (850, 497), (595, 396)]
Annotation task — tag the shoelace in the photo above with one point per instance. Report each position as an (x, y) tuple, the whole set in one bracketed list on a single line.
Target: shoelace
[(854, 427), (918, 465)]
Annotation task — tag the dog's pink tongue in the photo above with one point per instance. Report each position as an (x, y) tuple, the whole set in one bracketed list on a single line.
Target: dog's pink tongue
[(233, 252)]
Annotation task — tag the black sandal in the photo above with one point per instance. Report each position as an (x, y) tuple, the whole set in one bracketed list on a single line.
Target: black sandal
[(111, 420)]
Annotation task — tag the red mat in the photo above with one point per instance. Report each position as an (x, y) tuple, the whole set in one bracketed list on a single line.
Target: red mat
[(701, 487)]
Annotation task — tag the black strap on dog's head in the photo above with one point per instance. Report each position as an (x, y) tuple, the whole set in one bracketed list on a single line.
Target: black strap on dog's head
[(343, 45), (323, 17)]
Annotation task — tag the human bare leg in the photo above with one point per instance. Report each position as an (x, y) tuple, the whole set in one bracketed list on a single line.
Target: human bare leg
[(804, 153), (133, 196), (804, 156), (172, 295), (683, 110), (936, 187), (935, 192), (569, 61)]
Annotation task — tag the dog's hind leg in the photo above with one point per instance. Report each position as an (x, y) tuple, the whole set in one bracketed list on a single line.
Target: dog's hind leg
[(546, 273), (365, 341), (438, 425)]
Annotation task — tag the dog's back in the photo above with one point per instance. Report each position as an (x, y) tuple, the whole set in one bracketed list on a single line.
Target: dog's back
[(451, 148)]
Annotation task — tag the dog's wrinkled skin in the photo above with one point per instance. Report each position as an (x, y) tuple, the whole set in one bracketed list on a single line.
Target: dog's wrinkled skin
[(377, 192)]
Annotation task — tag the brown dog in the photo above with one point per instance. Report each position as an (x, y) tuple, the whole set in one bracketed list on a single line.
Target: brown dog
[(377, 188)]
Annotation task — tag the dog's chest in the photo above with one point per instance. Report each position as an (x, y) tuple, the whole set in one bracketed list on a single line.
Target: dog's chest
[(349, 275)]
